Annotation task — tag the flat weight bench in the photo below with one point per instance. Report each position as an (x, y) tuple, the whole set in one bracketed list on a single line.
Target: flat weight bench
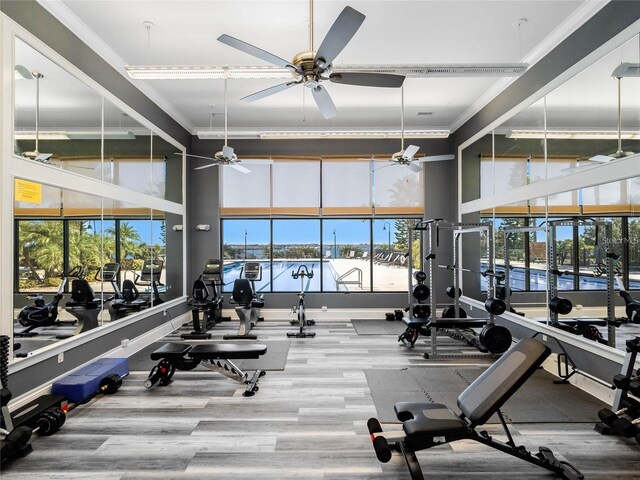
[(425, 425), (216, 357)]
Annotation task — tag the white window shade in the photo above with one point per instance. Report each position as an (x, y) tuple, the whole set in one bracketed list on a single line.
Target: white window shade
[(141, 175), (90, 167), (346, 187), (397, 189), (503, 175), (246, 193), (608, 198), (296, 187), (566, 202)]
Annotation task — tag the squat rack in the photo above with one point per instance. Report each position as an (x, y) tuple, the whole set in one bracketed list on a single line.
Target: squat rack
[(432, 228)]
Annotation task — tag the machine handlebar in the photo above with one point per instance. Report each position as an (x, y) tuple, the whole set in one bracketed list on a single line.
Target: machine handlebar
[(303, 271)]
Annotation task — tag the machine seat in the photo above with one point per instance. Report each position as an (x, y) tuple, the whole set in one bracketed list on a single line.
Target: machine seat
[(423, 421), (415, 322)]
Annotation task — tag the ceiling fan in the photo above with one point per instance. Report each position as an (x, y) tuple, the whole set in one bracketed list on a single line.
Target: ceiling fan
[(35, 154), (406, 156), (226, 156), (310, 68), (623, 70)]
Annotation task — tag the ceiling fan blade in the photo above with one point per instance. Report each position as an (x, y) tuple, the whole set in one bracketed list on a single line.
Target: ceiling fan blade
[(385, 166), (207, 166), (195, 156), (436, 158), (410, 151), (227, 152), (601, 158), (255, 51), (364, 79), (43, 157), (239, 168), (414, 167), (260, 161), (268, 91), (324, 102), (342, 30)]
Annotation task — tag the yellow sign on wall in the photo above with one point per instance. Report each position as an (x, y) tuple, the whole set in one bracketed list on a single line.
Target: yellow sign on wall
[(26, 191)]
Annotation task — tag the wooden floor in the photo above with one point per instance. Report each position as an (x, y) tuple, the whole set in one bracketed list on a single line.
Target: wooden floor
[(308, 421)]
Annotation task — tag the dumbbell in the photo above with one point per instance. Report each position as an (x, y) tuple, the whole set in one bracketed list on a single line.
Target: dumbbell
[(495, 306), (626, 427), (451, 291), (560, 305), (608, 416)]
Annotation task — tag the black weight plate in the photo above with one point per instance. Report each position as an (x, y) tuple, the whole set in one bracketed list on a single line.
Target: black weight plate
[(495, 338), (451, 292), (495, 306), (421, 292), (450, 312), (420, 276)]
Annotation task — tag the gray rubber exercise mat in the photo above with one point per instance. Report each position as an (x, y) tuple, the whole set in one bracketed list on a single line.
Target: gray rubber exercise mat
[(378, 327), (274, 359), (539, 400)]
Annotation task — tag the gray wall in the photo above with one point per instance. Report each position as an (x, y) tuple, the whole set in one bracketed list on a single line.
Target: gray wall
[(204, 203)]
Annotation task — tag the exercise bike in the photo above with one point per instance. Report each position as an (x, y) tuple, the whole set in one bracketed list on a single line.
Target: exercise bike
[(249, 303), (150, 277), (302, 321), (41, 314)]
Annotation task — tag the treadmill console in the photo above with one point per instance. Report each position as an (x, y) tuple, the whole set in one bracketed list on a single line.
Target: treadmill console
[(212, 270), (109, 272), (253, 271), (151, 270)]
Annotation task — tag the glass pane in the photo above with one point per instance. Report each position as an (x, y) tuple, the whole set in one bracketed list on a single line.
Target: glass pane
[(390, 246), (163, 153), (295, 243), (345, 243), (169, 246), (246, 240), (40, 255)]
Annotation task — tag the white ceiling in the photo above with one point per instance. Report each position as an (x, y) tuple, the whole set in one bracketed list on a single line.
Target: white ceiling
[(394, 32)]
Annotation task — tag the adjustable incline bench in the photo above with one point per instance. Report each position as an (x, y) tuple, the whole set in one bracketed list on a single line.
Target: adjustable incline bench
[(216, 357), (425, 425)]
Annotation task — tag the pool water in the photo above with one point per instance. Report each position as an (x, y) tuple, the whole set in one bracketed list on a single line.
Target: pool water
[(276, 276)]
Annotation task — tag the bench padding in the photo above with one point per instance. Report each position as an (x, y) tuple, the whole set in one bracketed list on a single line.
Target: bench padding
[(170, 350), (492, 389), (227, 351), (428, 420)]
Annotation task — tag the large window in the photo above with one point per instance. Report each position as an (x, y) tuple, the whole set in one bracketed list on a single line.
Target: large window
[(246, 240), (345, 243), (350, 255), (295, 243), (40, 255)]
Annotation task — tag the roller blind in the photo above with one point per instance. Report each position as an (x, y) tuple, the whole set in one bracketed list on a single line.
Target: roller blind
[(296, 187), (346, 187), (246, 193), (397, 189)]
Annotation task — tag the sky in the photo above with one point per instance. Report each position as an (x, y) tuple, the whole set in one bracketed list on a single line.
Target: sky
[(306, 231)]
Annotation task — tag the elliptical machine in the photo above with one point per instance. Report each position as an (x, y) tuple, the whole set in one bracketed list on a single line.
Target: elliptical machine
[(302, 321), (200, 301), (41, 314), (249, 304)]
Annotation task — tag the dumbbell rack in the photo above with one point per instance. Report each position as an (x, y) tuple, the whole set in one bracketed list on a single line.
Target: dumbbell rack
[(622, 400), (433, 228)]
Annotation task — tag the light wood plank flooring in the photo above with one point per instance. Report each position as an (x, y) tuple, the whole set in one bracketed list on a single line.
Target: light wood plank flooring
[(308, 421)]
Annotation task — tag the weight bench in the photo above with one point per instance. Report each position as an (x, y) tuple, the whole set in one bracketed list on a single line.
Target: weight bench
[(425, 425), (216, 357)]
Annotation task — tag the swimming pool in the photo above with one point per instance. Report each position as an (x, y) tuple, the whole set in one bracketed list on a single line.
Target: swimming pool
[(276, 276)]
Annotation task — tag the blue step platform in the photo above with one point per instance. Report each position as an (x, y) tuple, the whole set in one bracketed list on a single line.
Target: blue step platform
[(82, 384)]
